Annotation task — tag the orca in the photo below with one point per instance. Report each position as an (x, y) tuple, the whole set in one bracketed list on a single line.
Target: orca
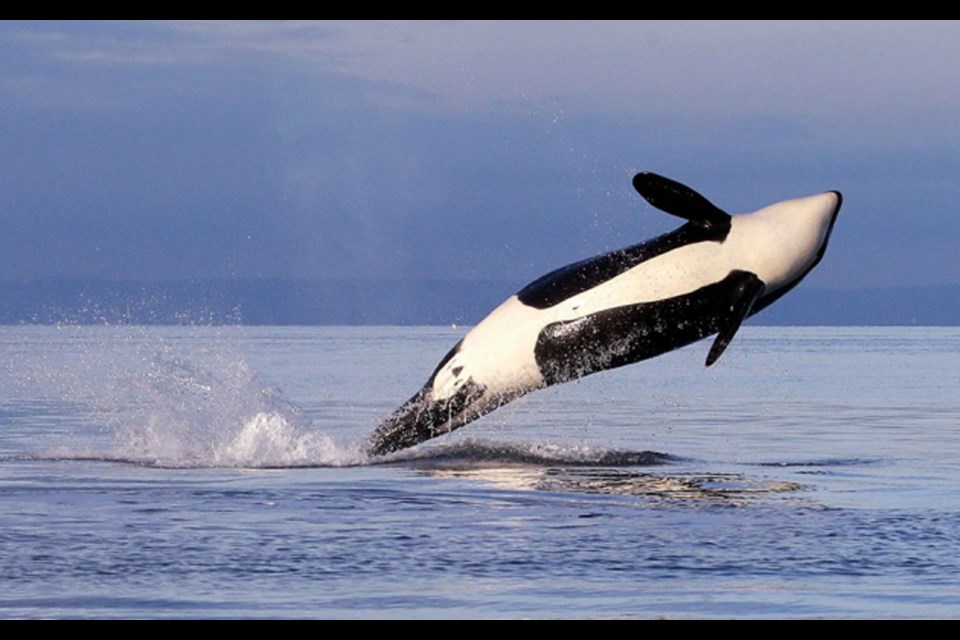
[(615, 309)]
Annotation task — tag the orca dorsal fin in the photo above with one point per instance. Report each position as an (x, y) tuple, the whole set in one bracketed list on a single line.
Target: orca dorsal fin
[(747, 289), (679, 200)]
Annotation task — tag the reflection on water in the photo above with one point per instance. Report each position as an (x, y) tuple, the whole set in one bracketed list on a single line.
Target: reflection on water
[(585, 470), (729, 489)]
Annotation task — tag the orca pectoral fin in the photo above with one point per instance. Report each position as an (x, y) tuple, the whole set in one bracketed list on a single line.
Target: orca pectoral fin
[(679, 200), (747, 290)]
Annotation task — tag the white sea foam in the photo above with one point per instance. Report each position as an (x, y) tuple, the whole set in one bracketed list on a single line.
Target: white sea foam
[(179, 403), (268, 439), (221, 417)]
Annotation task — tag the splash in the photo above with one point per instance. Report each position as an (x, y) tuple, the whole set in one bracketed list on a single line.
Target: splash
[(223, 415), (175, 400)]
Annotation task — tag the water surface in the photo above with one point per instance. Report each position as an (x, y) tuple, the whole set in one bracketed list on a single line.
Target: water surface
[(218, 472)]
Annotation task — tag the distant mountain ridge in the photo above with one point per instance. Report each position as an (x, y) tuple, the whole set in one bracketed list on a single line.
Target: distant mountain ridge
[(400, 302)]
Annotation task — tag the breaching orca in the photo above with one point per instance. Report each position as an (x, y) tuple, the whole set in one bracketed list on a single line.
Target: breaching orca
[(621, 307)]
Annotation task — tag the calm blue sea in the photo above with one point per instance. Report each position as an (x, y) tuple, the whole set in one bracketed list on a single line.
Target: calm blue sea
[(217, 472)]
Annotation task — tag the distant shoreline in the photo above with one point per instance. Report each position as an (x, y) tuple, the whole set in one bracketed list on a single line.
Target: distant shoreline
[(385, 302)]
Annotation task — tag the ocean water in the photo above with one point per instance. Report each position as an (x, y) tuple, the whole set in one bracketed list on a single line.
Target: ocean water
[(218, 472)]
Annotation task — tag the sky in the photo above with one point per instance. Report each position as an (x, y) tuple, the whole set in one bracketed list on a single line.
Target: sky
[(463, 150)]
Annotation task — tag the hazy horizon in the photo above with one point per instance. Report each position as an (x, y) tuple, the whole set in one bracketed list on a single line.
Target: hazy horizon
[(491, 151), (398, 302)]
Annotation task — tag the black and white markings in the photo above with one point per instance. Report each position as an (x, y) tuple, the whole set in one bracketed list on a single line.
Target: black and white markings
[(704, 278)]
